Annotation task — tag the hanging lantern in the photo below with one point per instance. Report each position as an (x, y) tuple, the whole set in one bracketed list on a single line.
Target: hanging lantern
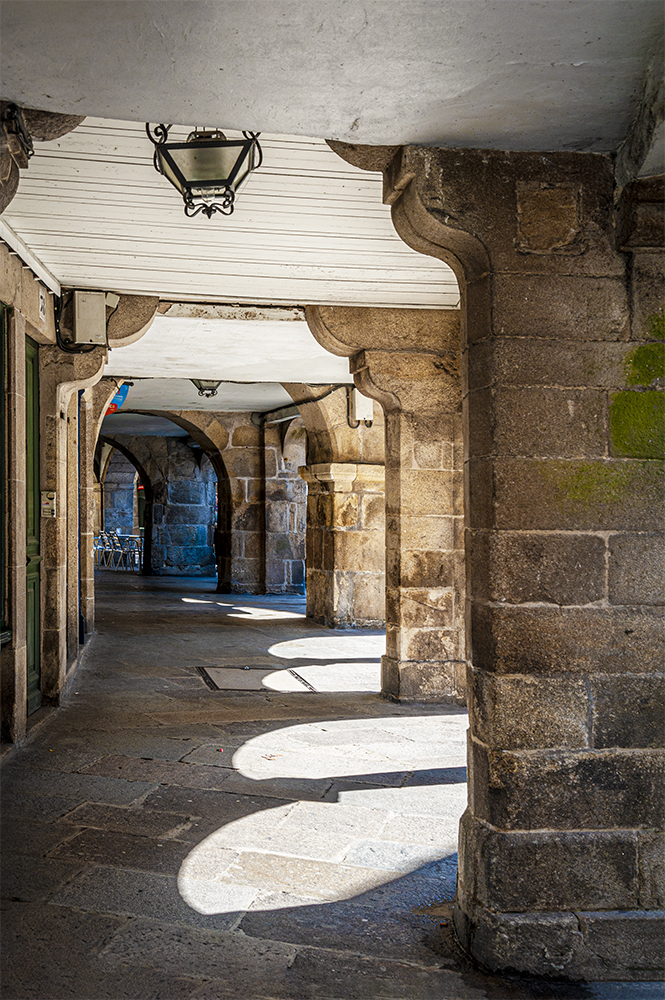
[(207, 387), (207, 169)]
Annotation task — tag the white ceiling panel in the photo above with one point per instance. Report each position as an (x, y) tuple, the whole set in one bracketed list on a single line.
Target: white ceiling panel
[(180, 394), (263, 350), (308, 228)]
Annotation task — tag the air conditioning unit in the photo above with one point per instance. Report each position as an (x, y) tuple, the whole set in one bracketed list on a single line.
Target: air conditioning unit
[(89, 318)]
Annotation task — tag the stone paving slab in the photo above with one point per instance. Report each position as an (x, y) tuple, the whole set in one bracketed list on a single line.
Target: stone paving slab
[(124, 819), (31, 879), (233, 958), (209, 754), (76, 788), (164, 772), (157, 897), (33, 969), (123, 851), (20, 836), (419, 800), (54, 760), (341, 926), (255, 679), (252, 968), (442, 832), (300, 876), (391, 856), (128, 744), (40, 809), (406, 894), (222, 807), (307, 789)]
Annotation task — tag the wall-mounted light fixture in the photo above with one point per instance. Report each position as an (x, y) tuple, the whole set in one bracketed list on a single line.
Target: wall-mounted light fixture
[(207, 386), (207, 169)]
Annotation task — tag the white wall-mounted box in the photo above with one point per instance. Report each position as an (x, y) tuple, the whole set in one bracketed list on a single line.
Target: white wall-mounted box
[(89, 318)]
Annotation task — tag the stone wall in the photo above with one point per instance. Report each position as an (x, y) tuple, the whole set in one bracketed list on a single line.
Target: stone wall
[(119, 493), (251, 533), (183, 510), (285, 507)]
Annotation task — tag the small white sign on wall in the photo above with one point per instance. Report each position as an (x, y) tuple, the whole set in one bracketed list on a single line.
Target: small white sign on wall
[(42, 304), (48, 503)]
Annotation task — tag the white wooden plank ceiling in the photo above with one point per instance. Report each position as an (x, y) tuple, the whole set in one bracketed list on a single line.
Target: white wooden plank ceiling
[(308, 227)]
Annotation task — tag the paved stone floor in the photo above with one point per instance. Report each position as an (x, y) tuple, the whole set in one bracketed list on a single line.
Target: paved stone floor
[(225, 808)]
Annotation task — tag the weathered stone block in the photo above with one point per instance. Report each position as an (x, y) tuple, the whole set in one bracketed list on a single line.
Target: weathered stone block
[(426, 569), (434, 532), (424, 492), (426, 681), (651, 856), (553, 568), (628, 711), (523, 712), (637, 568), (345, 510), (541, 870), (371, 511), (562, 640), (569, 494), (184, 491), (248, 517), (187, 514), (534, 362), (561, 307), (277, 517), (190, 534), (570, 423), (648, 295), (567, 789), (611, 945), (430, 643), (626, 942), (359, 550), (416, 608), (246, 436)]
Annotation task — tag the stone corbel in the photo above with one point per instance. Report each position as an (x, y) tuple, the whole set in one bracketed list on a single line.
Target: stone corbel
[(409, 381), (132, 317), (40, 126)]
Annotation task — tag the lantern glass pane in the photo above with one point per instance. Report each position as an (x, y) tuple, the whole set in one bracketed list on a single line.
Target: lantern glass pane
[(202, 165), (167, 170)]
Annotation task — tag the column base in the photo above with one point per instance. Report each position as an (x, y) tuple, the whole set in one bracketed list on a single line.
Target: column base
[(440, 681), (602, 945)]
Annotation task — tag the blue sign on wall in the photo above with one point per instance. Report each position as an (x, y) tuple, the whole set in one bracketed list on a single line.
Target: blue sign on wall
[(118, 399)]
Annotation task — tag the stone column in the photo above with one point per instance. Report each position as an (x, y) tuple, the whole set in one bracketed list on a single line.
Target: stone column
[(345, 544), (559, 853), (88, 440), (410, 364), (285, 507), (60, 376)]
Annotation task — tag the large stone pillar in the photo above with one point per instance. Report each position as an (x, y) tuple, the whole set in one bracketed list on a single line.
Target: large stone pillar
[(60, 377), (560, 856), (345, 550), (410, 364)]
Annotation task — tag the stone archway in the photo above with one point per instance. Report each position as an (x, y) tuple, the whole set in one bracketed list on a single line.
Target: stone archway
[(146, 564)]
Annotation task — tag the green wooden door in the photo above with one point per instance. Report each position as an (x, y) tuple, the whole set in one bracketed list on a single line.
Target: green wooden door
[(32, 519)]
